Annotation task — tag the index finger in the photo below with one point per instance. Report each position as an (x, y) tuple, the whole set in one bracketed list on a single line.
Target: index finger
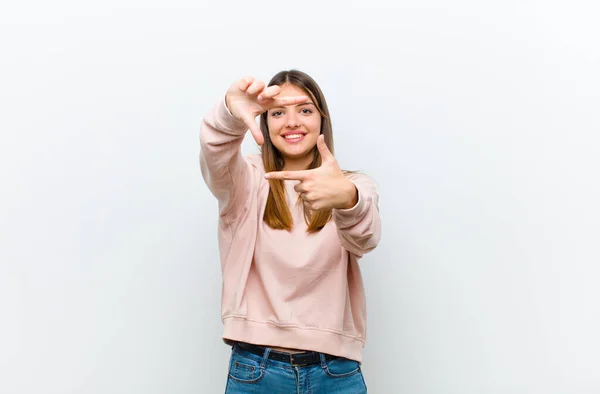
[(290, 100), (290, 175)]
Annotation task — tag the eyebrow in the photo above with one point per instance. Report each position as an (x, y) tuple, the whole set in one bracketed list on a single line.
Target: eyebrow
[(297, 105)]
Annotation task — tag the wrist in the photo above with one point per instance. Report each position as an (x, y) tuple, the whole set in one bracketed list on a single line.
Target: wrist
[(351, 196), (228, 108), (227, 103)]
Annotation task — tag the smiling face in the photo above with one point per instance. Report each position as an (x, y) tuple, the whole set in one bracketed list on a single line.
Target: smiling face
[(294, 129)]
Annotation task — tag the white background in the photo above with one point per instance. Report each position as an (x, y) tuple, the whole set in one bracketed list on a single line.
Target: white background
[(479, 121)]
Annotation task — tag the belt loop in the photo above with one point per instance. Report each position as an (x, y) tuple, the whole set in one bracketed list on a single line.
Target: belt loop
[(265, 357), (323, 360)]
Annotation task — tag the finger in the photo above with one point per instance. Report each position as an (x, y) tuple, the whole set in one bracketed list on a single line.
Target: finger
[(254, 129), (291, 100), (255, 87), (294, 175), (326, 154), (308, 197), (258, 137), (316, 206), (244, 83), (300, 188), (269, 92)]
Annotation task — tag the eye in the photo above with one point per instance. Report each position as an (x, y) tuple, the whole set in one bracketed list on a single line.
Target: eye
[(275, 113), (307, 111)]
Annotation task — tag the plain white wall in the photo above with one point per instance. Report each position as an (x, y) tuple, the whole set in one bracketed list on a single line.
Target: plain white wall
[(479, 121)]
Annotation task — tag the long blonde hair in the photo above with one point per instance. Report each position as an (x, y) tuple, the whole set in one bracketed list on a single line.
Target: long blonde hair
[(277, 213)]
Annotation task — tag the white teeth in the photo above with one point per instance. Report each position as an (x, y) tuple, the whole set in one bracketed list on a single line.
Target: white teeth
[(292, 136)]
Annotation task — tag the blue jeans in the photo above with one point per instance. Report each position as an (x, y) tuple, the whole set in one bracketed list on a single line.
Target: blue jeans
[(253, 374)]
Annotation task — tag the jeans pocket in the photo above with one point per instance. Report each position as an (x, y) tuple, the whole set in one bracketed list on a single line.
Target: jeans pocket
[(244, 370), (341, 368)]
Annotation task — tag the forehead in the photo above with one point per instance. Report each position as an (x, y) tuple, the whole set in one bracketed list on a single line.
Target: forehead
[(291, 90)]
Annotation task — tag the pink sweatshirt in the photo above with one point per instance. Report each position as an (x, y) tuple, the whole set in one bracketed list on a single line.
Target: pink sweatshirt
[(280, 288)]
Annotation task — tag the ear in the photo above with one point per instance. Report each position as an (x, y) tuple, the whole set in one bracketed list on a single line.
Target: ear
[(326, 154)]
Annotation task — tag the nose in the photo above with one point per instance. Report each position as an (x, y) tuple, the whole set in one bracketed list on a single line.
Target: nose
[(292, 120)]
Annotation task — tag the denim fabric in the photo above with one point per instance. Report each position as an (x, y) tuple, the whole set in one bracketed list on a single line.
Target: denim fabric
[(253, 374)]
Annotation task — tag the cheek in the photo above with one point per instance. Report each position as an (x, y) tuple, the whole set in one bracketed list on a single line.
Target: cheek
[(272, 127), (316, 125)]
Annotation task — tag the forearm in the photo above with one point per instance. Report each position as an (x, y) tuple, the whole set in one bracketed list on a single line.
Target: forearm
[(359, 226), (222, 164)]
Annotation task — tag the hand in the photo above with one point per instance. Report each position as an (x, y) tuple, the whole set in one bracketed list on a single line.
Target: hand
[(248, 98), (322, 188)]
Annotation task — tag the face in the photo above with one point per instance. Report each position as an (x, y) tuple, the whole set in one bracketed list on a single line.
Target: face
[(294, 129)]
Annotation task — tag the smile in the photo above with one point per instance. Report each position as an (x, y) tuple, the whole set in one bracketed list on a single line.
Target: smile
[(293, 137)]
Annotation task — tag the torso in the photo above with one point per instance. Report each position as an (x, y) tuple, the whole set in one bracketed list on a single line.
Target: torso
[(293, 275)]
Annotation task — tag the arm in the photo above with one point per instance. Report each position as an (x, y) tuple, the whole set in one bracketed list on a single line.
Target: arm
[(359, 227), (353, 200), (225, 171)]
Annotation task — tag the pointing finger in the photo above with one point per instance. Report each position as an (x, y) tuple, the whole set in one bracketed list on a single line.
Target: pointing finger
[(283, 101), (290, 175)]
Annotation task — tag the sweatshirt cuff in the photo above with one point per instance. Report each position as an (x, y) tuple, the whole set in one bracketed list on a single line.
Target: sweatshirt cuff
[(225, 120), (351, 216)]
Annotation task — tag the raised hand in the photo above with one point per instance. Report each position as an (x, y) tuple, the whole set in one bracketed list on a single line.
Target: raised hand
[(248, 98), (322, 188)]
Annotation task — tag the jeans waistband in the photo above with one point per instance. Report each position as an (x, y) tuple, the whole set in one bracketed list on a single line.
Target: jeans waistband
[(294, 359)]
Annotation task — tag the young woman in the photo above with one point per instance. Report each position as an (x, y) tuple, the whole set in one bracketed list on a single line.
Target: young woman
[(292, 226)]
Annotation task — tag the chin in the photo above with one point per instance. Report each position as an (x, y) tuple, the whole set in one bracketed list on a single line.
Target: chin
[(296, 157), (293, 152)]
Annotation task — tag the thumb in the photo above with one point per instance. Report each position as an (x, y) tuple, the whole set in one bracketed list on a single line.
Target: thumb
[(254, 129), (326, 154)]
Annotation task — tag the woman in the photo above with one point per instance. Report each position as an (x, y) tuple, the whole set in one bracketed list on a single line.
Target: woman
[(291, 230)]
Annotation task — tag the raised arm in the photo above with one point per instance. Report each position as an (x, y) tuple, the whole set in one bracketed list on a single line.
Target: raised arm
[(223, 167), (222, 131)]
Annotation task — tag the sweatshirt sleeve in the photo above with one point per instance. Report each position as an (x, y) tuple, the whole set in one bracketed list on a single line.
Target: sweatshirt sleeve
[(224, 169), (359, 227)]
